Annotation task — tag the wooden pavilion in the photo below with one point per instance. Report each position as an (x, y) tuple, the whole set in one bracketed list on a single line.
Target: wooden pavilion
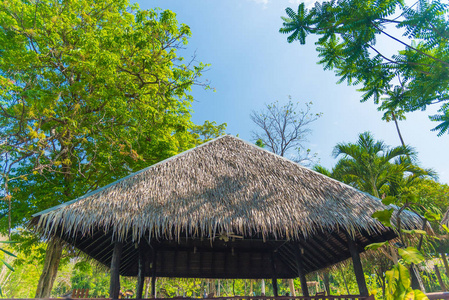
[(225, 209)]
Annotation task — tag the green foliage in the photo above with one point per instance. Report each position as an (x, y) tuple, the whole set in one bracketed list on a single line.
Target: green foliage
[(416, 76), (90, 91), (8, 253), (430, 193), (260, 143), (411, 255), (372, 166), (375, 246), (399, 284), (384, 216)]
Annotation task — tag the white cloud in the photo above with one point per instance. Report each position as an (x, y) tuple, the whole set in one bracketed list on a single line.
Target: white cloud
[(309, 3), (263, 2)]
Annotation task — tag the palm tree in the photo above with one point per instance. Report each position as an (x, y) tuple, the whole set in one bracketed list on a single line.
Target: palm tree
[(369, 165), (392, 108)]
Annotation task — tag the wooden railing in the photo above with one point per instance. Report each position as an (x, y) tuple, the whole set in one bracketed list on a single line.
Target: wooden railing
[(321, 297), (431, 296), (438, 296), (341, 297)]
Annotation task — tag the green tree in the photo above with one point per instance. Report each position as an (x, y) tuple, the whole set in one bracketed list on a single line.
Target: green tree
[(369, 165), (349, 31), (90, 91)]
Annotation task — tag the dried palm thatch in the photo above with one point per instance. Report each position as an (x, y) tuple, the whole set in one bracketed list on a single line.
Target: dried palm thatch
[(222, 188)]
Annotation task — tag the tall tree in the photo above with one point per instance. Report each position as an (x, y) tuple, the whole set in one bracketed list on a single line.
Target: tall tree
[(391, 106), (375, 168), (284, 129), (348, 32), (90, 91), (369, 164)]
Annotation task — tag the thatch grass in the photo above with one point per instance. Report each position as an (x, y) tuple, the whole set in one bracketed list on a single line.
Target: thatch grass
[(224, 187)]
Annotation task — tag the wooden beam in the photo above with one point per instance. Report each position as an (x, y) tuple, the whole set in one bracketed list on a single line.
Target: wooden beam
[(340, 240), (114, 286), (309, 255), (329, 244), (140, 272), (288, 261), (358, 270), (301, 273), (92, 240)]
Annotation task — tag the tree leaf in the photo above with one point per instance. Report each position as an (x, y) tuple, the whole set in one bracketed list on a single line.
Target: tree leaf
[(404, 276), (7, 252), (7, 265), (419, 295), (375, 246), (418, 231), (384, 216), (411, 255), (409, 296), (430, 216), (445, 228), (389, 200)]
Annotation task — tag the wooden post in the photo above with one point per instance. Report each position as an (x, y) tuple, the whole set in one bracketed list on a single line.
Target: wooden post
[(274, 280), (153, 274), (140, 272), (153, 287), (114, 286), (358, 269), (301, 272)]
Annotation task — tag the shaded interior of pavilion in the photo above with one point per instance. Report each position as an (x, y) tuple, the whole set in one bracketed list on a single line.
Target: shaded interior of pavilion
[(224, 210), (227, 257)]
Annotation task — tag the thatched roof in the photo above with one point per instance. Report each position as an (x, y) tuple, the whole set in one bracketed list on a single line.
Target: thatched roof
[(223, 187)]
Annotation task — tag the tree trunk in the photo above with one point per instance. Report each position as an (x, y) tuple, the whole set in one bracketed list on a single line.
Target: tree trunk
[(326, 282), (147, 286), (251, 288), (212, 287), (440, 280), (397, 128), (446, 265), (52, 257), (292, 287), (344, 281)]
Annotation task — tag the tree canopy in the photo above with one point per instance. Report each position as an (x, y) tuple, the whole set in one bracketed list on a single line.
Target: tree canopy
[(89, 92), (349, 32), (374, 167)]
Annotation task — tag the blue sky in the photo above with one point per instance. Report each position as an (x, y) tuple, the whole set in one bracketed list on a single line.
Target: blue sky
[(252, 64)]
